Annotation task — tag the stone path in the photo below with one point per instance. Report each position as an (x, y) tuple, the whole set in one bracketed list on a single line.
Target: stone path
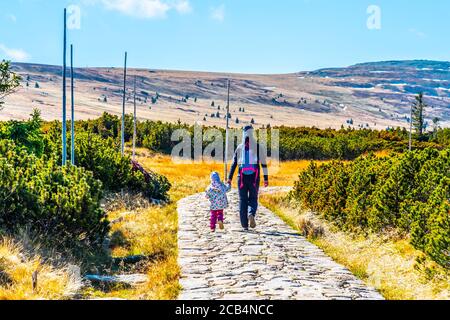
[(273, 262)]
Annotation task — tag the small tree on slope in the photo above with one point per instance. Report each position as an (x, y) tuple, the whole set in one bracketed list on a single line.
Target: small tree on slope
[(9, 81), (418, 114)]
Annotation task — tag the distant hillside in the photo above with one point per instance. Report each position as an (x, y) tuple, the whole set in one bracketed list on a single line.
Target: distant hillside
[(429, 77), (370, 95)]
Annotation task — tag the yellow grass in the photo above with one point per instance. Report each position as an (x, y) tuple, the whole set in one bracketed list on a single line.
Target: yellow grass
[(152, 233), (190, 178), (382, 153), (381, 261), (16, 270)]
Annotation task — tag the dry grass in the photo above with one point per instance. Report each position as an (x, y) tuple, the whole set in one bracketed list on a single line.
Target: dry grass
[(190, 178), (149, 232), (16, 269), (382, 153), (384, 262)]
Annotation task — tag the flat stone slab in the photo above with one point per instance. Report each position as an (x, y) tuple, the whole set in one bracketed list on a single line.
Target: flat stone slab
[(273, 262), (129, 279)]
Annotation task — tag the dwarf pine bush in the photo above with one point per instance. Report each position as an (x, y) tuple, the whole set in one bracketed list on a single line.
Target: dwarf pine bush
[(99, 153), (27, 134), (408, 192), (61, 204), (295, 143), (102, 158), (366, 174)]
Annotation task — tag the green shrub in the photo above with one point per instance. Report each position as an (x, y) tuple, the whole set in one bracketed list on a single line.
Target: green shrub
[(61, 204), (27, 134), (295, 143), (437, 235), (408, 192), (399, 186), (99, 153), (366, 174), (101, 156)]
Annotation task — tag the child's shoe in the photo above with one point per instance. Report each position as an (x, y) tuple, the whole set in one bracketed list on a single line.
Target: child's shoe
[(221, 226), (252, 221)]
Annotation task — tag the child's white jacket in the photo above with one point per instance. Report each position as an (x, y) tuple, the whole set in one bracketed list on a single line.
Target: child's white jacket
[(217, 195)]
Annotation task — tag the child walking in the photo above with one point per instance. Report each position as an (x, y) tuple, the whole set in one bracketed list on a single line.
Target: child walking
[(217, 195)]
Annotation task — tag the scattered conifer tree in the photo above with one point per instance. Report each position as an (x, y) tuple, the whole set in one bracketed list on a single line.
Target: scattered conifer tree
[(418, 114)]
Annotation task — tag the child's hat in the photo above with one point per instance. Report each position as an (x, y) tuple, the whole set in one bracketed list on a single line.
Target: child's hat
[(215, 177)]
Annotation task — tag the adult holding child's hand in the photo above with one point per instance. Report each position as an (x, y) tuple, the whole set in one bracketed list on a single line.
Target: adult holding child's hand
[(266, 183), (250, 158)]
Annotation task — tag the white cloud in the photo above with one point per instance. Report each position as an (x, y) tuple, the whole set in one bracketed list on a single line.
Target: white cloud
[(183, 7), (418, 33), (218, 13), (148, 9), (17, 55), (12, 17)]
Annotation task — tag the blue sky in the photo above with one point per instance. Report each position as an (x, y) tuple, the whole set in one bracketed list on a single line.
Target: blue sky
[(249, 36)]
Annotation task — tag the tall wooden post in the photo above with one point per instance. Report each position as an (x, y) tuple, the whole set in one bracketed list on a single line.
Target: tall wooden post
[(64, 111), (134, 121), (122, 140), (227, 134), (72, 129)]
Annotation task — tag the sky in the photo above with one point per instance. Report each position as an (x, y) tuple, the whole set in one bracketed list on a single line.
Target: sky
[(244, 36)]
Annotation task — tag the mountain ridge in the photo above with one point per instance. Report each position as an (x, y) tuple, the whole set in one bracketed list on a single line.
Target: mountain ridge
[(366, 95)]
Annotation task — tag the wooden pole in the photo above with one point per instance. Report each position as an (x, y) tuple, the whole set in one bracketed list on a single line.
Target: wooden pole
[(64, 111), (227, 134), (72, 129), (122, 140), (134, 122)]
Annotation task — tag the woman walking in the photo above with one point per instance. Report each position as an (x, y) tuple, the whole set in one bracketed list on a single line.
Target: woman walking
[(251, 160)]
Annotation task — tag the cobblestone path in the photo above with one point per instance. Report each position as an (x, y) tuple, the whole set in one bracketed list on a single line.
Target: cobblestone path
[(272, 262)]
